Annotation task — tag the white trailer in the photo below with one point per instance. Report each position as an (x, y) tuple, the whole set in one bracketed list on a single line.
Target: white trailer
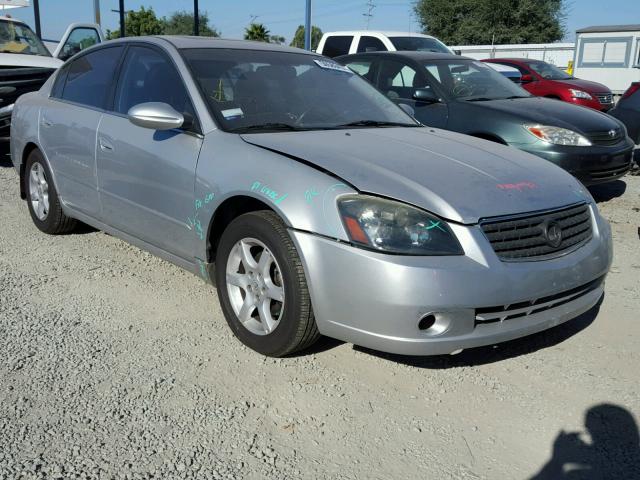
[(558, 54), (608, 54)]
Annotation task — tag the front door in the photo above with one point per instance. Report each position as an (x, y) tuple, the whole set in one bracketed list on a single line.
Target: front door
[(399, 80), (146, 177)]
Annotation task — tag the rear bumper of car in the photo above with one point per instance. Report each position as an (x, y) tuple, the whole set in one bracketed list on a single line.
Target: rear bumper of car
[(590, 165), (377, 300)]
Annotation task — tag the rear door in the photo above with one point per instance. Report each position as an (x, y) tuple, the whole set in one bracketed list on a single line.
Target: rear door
[(69, 122), (147, 177)]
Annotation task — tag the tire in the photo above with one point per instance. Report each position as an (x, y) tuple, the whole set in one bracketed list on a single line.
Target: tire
[(243, 292), (42, 197)]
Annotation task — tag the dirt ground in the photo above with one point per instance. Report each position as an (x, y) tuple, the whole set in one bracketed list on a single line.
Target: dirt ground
[(115, 364)]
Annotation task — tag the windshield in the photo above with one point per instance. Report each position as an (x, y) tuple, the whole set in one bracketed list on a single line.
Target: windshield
[(469, 80), (423, 44), (548, 71), (19, 38), (250, 90)]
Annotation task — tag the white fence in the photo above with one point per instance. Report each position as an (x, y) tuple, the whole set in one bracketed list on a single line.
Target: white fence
[(559, 54)]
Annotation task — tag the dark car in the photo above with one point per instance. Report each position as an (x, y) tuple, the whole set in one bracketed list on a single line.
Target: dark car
[(628, 112), (545, 80), (468, 96)]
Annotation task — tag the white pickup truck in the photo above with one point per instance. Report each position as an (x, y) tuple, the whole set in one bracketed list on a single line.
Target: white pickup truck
[(26, 63)]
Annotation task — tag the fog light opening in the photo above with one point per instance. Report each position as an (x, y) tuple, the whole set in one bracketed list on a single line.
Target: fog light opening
[(427, 321)]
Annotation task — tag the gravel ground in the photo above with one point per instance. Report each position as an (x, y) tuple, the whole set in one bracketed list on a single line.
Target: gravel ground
[(115, 364)]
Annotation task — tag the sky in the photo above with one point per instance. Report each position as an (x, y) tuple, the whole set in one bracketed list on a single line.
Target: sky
[(282, 17)]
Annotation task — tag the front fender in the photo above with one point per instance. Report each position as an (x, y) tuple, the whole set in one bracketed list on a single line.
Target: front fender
[(303, 196)]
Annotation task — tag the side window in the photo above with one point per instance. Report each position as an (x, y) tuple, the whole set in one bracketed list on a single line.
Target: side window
[(397, 80), (371, 44), (90, 77), (337, 45), (147, 76), (362, 68), (79, 39), (404, 78)]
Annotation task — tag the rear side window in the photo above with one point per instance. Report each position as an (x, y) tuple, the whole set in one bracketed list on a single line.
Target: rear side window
[(89, 77), (371, 44), (337, 45)]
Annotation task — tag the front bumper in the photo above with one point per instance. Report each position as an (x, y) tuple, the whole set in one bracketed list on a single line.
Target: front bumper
[(593, 103), (377, 300), (590, 165)]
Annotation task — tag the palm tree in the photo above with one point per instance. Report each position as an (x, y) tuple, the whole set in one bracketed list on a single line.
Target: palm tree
[(257, 32)]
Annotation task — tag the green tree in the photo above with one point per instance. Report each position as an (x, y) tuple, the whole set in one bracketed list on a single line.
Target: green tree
[(257, 32), (298, 37), (476, 22), (181, 23), (279, 39), (140, 22)]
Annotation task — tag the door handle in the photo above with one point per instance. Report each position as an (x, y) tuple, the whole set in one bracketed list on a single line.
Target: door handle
[(46, 123), (105, 146)]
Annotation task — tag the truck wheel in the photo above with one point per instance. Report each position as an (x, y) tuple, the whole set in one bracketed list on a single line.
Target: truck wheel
[(262, 286), (42, 198)]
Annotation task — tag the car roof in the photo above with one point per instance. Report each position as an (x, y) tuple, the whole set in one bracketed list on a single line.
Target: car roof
[(513, 59), (10, 19), (186, 41), (379, 32), (413, 55)]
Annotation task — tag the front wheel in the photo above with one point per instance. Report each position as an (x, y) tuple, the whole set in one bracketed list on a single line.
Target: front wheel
[(262, 286)]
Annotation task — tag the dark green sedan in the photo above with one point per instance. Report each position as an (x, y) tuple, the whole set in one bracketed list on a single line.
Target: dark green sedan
[(467, 96)]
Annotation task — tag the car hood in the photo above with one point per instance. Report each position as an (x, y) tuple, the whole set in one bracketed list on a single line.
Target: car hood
[(547, 111), (18, 60), (455, 176), (586, 85)]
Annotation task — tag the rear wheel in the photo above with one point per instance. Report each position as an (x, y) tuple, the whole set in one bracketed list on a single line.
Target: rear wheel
[(42, 197), (262, 286)]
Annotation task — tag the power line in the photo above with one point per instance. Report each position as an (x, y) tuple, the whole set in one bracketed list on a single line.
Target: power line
[(370, 6)]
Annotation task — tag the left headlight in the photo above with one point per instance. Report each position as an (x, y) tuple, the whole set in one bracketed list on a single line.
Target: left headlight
[(395, 227), (580, 94), (558, 136)]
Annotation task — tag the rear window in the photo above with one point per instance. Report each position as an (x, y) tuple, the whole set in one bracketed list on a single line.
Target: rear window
[(335, 46)]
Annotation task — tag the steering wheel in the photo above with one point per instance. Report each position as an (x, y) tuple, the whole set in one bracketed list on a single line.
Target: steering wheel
[(462, 90)]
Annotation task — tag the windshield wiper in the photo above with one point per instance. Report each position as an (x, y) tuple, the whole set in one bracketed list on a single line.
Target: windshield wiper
[(273, 126), (376, 123)]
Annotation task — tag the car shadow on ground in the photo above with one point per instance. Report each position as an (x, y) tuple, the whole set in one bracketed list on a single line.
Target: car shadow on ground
[(496, 353), (612, 451), (608, 191)]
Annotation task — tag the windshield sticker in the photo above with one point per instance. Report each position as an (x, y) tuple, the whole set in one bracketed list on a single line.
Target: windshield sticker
[(268, 192), (331, 65), (232, 113), (517, 186)]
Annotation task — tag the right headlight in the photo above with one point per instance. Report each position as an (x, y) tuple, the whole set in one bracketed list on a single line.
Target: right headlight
[(557, 135), (395, 227)]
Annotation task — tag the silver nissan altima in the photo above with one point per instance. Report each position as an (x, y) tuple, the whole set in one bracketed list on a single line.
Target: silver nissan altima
[(313, 203)]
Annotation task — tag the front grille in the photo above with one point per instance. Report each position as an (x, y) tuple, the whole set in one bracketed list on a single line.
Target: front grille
[(605, 98), (17, 81), (609, 137), (501, 313), (526, 237), (610, 173)]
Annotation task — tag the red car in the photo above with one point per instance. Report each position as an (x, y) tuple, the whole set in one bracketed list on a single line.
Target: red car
[(545, 80)]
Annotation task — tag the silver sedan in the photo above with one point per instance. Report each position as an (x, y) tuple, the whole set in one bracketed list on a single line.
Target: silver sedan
[(314, 203)]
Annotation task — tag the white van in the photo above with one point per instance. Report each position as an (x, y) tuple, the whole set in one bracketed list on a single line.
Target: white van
[(333, 44)]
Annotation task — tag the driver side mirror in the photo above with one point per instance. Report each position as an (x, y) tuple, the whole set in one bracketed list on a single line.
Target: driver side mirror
[(156, 116), (526, 78), (425, 95)]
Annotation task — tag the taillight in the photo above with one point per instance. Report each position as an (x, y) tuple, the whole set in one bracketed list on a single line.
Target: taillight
[(635, 86)]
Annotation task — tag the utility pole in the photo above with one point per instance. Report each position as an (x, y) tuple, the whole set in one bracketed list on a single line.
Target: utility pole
[(369, 14), (307, 26), (121, 11), (36, 17), (96, 11), (196, 18)]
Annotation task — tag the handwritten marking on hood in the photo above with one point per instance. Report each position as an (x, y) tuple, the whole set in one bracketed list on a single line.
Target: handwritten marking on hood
[(520, 186)]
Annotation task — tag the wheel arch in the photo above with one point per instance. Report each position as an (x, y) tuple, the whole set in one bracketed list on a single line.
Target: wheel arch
[(26, 151), (230, 209)]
